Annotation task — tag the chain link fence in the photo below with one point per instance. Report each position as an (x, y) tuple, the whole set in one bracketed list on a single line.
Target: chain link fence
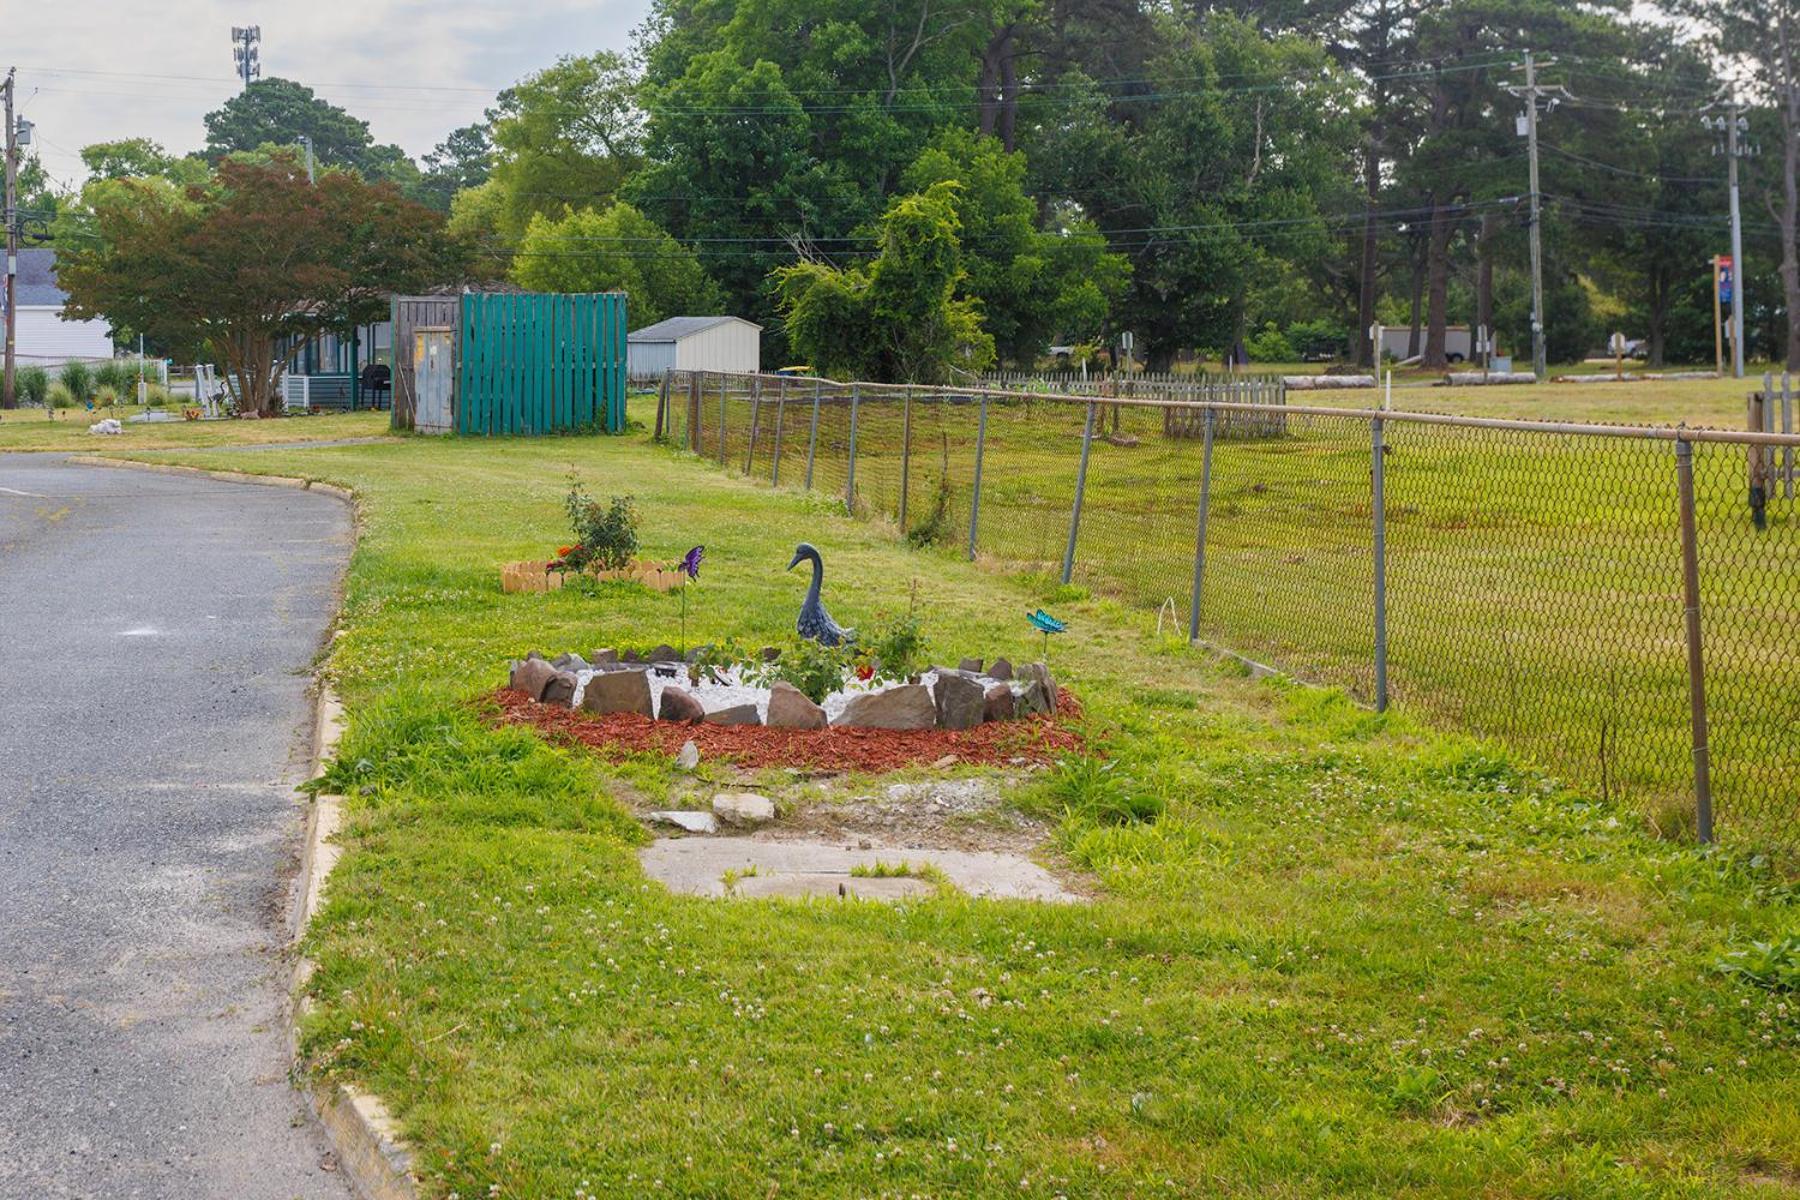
[(1526, 581)]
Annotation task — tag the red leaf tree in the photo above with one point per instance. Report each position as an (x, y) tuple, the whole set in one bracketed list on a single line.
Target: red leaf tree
[(256, 260)]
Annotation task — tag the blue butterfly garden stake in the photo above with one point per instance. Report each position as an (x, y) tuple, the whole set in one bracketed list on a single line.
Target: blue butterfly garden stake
[(689, 566), (1046, 624)]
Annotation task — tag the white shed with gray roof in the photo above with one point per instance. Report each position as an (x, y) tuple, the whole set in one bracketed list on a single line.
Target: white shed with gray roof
[(43, 337), (694, 344)]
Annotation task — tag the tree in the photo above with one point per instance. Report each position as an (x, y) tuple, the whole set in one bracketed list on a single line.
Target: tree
[(461, 161), (1213, 184), (1033, 285), (1762, 39), (899, 318), (126, 158), (568, 135), (281, 112), (258, 260), (619, 249)]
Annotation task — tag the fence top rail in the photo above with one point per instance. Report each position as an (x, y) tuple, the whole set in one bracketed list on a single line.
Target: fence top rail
[(1664, 433)]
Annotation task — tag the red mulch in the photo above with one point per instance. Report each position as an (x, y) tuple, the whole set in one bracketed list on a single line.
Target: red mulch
[(1037, 739)]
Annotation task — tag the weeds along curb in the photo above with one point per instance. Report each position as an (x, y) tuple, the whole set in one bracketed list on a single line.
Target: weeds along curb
[(370, 1151)]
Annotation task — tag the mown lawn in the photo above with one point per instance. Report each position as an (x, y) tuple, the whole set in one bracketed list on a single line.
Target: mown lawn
[(37, 429), (1534, 580), (1351, 957)]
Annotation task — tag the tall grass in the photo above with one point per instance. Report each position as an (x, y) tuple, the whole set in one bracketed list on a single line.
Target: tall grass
[(77, 379), (33, 385)]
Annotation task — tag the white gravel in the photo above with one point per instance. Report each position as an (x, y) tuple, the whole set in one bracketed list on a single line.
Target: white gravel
[(733, 690)]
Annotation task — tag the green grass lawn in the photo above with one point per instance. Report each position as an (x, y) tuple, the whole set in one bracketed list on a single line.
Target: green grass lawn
[(1352, 957), (1534, 586), (67, 430)]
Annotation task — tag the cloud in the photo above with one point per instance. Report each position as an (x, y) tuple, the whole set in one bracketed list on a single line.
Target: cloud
[(96, 70)]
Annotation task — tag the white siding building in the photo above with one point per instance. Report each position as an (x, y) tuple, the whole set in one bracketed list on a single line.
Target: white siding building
[(694, 344), (44, 338)]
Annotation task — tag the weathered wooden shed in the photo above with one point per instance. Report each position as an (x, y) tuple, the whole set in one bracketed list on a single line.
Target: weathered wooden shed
[(509, 362)]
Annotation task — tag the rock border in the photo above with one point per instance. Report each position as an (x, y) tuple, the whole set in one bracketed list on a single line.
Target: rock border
[(371, 1153)]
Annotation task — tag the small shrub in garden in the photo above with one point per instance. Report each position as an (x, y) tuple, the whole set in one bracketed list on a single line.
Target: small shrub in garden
[(105, 397), (77, 379), (58, 396), (816, 669), (605, 537), (896, 647)]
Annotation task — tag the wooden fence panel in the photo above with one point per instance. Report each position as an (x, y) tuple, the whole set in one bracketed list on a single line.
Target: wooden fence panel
[(541, 363)]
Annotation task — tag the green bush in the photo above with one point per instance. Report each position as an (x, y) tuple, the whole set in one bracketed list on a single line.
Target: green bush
[(58, 396), (604, 537), (816, 669), (33, 385), (116, 375), (896, 647), (77, 378), (1271, 345), (105, 396)]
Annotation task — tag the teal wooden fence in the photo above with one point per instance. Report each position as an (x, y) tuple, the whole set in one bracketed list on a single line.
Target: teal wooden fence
[(533, 362)]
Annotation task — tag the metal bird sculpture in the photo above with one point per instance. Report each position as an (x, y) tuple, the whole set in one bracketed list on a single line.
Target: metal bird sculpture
[(1046, 624), (815, 622)]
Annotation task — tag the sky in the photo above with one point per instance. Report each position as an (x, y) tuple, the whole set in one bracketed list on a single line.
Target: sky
[(99, 70)]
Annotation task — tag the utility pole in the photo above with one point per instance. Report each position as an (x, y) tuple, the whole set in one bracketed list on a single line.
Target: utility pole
[(1530, 93), (244, 39), (9, 394)]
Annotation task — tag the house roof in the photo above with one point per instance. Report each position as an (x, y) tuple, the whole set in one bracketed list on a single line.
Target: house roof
[(37, 279), (673, 329)]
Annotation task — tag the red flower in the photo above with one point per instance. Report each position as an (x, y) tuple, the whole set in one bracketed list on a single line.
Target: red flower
[(564, 551), (865, 672)]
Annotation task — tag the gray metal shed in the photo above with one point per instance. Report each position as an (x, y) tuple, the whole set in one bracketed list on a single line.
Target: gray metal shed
[(694, 344)]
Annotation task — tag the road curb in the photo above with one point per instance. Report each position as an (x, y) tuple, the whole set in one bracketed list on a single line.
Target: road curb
[(371, 1153), (284, 481), (370, 1150)]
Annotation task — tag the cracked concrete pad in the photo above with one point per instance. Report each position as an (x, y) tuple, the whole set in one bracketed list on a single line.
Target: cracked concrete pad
[(697, 866), (821, 883)]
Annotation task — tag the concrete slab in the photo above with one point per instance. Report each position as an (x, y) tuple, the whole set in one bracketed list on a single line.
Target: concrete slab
[(697, 866), (816, 883)]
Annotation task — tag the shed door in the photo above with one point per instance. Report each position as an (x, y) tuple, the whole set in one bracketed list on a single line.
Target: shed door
[(432, 372)]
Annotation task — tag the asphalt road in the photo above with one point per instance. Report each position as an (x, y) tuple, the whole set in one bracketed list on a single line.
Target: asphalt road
[(156, 633)]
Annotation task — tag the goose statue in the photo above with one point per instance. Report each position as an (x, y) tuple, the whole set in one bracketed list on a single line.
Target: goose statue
[(815, 622)]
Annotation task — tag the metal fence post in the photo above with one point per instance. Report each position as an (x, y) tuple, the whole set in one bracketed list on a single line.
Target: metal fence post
[(1206, 453), (780, 420), (850, 471), (722, 418), (1087, 443), (1696, 663), (905, 452), (1378, 507), (812, 442), (695, 382), (662, 405), (755, 419), (975, 498)]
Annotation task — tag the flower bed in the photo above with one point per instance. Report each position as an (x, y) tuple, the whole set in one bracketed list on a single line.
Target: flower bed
[(1036, 739), (535, 576)]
